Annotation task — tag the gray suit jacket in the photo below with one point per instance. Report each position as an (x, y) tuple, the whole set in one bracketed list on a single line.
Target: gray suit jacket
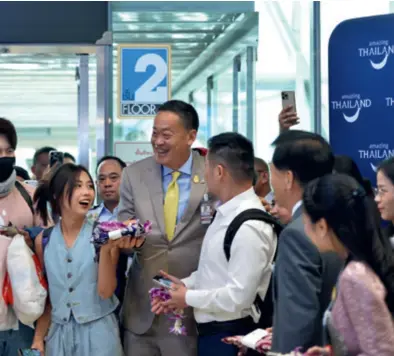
[(303, 281), (142, 197)]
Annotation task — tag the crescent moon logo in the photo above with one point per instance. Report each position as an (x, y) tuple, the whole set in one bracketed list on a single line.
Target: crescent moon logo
[(380, 64), (374, 168), (351, 119)]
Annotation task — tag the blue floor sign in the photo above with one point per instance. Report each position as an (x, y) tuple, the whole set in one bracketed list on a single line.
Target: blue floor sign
[(144, 79)]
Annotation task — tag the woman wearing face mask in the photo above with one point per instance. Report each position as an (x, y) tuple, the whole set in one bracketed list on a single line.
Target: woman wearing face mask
[(16, 208), (385, 195), (338, 217), (81, 301)]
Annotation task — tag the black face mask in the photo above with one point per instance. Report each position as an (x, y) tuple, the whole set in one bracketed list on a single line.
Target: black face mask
[(6, 167)]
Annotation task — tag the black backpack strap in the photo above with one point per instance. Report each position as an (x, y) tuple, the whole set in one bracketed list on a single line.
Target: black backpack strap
[(265, 307), (250, 214), (25, 195)]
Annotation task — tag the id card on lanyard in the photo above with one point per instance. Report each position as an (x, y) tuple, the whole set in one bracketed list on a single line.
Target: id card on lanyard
[(206, 210)]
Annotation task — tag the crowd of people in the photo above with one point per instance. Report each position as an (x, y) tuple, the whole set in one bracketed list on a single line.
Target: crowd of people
[(286, 258)]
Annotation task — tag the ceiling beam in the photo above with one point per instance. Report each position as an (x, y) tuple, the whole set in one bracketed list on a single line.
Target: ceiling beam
[(220, 50), (169, 23), (183, 6)]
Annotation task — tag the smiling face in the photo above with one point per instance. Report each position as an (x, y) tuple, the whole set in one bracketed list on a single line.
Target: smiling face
[(385, 196), (171, 141), (82, 196)]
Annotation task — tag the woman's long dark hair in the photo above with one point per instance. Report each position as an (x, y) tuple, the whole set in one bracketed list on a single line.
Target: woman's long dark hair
[(348, 210), (346, 165), (52, 189)]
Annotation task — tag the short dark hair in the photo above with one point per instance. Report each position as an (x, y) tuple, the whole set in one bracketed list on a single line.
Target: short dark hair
[(307, 155), (7, 129), (108, 158), (349, 213), (40, 151), (69, 156), (51, 190), (185, 111), (21, 172), (259, 162), (235, 152)]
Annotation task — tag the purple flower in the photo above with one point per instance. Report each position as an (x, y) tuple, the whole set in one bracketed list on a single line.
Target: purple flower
[(162, 294), (102, 232), (111, 226)]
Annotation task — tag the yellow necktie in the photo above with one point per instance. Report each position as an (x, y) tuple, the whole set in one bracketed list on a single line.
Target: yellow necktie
[(171, 206)]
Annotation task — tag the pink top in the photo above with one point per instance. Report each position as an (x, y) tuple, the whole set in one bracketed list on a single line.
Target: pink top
[(360, 313), (14, 209)]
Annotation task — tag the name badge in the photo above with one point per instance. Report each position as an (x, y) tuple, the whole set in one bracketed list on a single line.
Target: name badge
[(206, 210)]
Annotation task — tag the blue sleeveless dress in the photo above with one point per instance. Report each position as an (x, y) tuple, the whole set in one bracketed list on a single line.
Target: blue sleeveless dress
[(83, 324)]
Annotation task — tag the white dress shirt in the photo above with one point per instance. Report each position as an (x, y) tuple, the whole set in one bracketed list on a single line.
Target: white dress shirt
[(222, 290)]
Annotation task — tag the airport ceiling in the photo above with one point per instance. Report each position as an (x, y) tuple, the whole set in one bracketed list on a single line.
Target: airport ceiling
[(188, 33)]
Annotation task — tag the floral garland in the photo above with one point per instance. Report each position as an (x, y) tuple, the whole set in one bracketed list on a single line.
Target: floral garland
[(162, 294)]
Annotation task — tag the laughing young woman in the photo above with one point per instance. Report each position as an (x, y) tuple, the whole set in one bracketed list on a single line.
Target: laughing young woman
[(81, 303)]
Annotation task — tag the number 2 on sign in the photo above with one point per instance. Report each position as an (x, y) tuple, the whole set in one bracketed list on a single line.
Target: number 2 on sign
[(146, 93)]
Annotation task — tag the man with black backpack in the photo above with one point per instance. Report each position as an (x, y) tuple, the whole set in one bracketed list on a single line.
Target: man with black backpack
[(237, 252)]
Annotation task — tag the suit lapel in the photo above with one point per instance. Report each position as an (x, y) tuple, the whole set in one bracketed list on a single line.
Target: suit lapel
[(154, 182), (197, 191)]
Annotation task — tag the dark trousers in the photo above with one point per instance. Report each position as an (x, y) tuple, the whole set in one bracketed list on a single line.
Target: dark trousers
[(212, 345), (210, 336)]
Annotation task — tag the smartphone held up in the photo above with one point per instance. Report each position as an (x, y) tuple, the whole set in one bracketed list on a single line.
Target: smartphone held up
[(288, 116)]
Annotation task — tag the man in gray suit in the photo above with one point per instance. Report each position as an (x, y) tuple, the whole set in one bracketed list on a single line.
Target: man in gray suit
[(303, 278), (166, 189)]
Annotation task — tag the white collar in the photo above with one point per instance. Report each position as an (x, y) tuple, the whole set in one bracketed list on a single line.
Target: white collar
[(234, 203), (295, 207)]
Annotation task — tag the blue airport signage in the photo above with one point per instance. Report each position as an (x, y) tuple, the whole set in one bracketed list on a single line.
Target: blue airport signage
[(144, 79), (361, 91)]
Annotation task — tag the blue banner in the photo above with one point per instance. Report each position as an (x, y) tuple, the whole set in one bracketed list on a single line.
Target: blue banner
[(361, 91), (144, 73)]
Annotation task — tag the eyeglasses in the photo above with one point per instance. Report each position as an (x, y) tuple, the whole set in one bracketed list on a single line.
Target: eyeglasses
[(380, 191)]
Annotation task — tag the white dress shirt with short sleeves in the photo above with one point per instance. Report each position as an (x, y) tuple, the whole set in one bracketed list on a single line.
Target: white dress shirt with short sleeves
[(220, 290)]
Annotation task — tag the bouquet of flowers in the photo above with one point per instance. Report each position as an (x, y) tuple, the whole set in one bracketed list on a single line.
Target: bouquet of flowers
[(162, 294), (113, 230)]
